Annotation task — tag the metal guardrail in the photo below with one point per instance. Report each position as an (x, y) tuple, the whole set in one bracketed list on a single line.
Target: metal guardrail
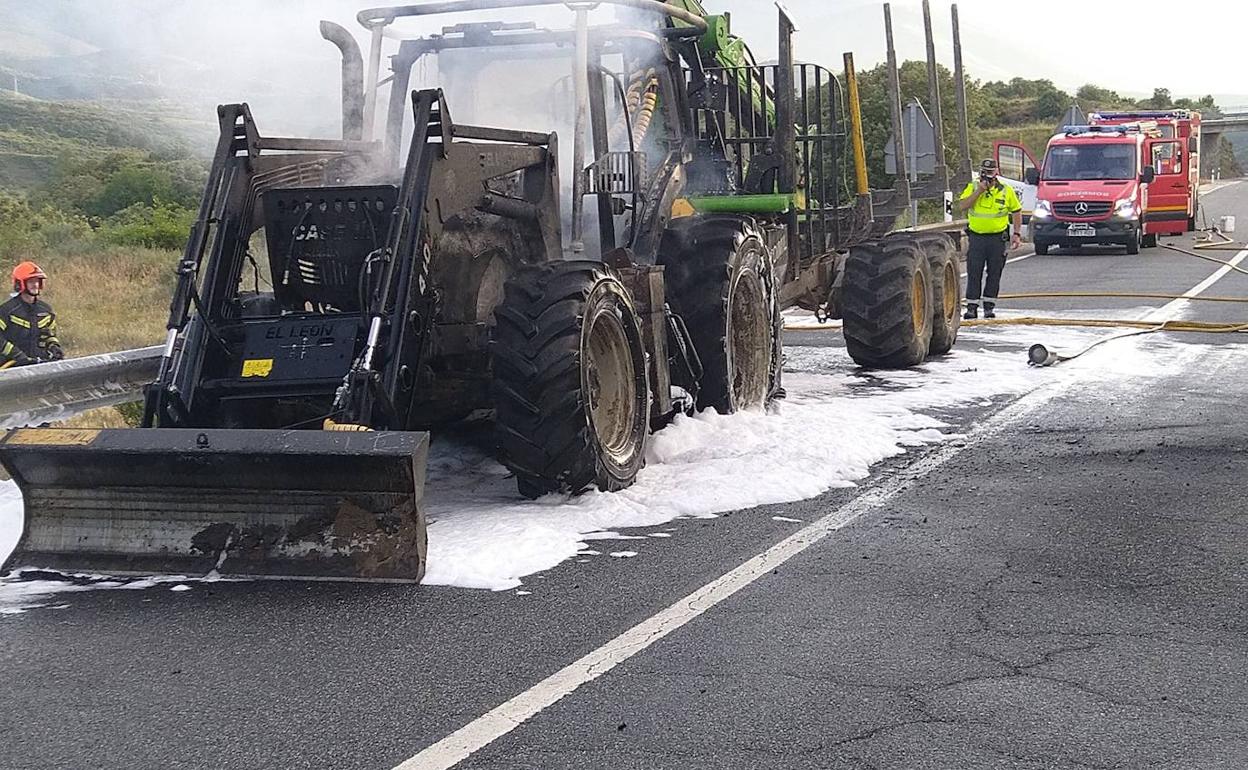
[(61, 389)]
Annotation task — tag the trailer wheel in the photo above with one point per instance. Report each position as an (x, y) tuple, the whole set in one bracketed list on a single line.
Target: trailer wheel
[(946, 294), (721, 282), (569, 379), (887, 304), (944, 266)]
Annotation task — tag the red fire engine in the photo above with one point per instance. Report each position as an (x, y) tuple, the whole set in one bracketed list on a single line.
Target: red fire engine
[(1094, 187), (1173, 201)]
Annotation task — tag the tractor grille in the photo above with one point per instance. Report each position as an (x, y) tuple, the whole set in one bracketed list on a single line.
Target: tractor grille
[(1076, 208)]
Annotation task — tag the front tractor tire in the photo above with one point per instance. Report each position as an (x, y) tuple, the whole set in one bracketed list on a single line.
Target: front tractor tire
[(887, 304), (570, 389), (721, 282)]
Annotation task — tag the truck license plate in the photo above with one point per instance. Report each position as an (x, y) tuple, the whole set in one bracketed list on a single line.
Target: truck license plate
[(1081, 230)]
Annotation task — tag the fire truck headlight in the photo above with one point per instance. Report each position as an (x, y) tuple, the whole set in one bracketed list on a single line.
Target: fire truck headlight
[(1043, 210), (1125, 209)]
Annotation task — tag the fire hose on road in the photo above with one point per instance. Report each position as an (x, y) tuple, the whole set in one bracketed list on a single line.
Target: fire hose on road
[(1039, 355)]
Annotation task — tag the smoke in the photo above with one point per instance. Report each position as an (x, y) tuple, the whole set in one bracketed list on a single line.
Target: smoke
[(531, 89), (194, 55), (199, 53)]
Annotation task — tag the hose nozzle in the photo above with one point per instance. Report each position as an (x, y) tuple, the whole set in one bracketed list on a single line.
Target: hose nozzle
[(1039, 355)]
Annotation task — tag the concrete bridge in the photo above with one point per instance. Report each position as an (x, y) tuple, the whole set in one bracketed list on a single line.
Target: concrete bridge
[(1211, 129)]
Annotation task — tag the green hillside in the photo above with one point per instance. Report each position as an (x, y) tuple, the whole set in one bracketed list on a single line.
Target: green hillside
[(37, 135)]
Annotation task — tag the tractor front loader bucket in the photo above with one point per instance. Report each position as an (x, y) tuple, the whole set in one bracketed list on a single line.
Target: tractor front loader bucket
[(258, 503)]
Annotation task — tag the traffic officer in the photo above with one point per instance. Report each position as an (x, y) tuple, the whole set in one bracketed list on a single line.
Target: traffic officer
[(27, 323), (990, 205)]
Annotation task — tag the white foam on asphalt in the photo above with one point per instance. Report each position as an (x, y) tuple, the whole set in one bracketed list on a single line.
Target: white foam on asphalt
[(836, 423)]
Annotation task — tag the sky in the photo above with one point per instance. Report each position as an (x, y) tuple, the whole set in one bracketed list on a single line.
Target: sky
[(269, 52), (1070, 42)]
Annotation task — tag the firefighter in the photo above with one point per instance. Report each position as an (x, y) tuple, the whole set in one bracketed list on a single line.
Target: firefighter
[(990, 205), (27, 323)]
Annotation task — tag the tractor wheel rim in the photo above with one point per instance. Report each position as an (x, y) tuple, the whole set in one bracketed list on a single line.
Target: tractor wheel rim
[(951, 293), (918, 303), (610, 378), (749, 338)]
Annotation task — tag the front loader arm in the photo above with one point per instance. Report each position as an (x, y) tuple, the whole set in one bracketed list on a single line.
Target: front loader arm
[(238, 135), (403, 293)]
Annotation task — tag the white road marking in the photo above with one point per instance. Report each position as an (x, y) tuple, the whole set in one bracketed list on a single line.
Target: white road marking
[(1213, 187), (487, 728), (1205, 284), (501, 720)]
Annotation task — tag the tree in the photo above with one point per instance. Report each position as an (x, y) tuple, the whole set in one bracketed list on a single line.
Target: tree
[(1093, 97), (131, 184), (1160, 99), (877, 121), (1052, 104), (1224, 160)]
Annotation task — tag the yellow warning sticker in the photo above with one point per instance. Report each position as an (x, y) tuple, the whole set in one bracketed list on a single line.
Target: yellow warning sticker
[(257, 367), (52, 436)]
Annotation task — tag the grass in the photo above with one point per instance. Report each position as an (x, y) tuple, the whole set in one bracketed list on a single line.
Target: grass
[(115, 298), (1033, 136), (95, 126)]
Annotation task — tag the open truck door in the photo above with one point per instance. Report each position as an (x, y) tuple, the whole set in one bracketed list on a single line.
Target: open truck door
[(1168, 203), (1013, 164)]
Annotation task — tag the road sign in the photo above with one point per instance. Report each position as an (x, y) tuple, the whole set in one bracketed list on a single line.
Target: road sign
[(920, 143), (1073, 117)]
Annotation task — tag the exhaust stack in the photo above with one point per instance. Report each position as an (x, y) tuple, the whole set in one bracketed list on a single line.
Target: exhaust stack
[(352, 79)]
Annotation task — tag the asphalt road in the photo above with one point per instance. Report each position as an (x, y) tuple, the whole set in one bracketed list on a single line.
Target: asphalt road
[(1067, 588)]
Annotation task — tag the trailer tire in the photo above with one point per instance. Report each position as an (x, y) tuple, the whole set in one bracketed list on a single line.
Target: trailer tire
[(721, 282), (571, 394), (887, 304), (946, 294), (945, 269)]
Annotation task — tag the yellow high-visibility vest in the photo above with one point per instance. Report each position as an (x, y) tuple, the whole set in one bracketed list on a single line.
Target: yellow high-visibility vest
[(992, 210)]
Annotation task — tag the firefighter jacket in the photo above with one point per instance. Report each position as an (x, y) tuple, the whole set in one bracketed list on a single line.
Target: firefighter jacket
[(28, 333), (992, 209)]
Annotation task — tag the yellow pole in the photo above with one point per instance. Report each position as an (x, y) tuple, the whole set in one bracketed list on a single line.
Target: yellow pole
[(855, 128)]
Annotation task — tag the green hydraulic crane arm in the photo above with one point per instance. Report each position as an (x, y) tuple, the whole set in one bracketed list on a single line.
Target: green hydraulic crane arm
[(719, 48)]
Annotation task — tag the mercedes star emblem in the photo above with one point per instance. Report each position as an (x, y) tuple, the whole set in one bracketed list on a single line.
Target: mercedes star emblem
[(1081, 208)]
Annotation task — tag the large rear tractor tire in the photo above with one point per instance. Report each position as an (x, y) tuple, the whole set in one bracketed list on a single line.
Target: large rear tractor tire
[(720, 280), (887, 304), (570, 389)]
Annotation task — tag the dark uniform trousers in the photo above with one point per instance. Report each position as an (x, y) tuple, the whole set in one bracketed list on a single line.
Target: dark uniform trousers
[(985, 251)]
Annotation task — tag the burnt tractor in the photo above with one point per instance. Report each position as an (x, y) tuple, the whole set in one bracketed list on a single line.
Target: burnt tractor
[(617, 252)]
